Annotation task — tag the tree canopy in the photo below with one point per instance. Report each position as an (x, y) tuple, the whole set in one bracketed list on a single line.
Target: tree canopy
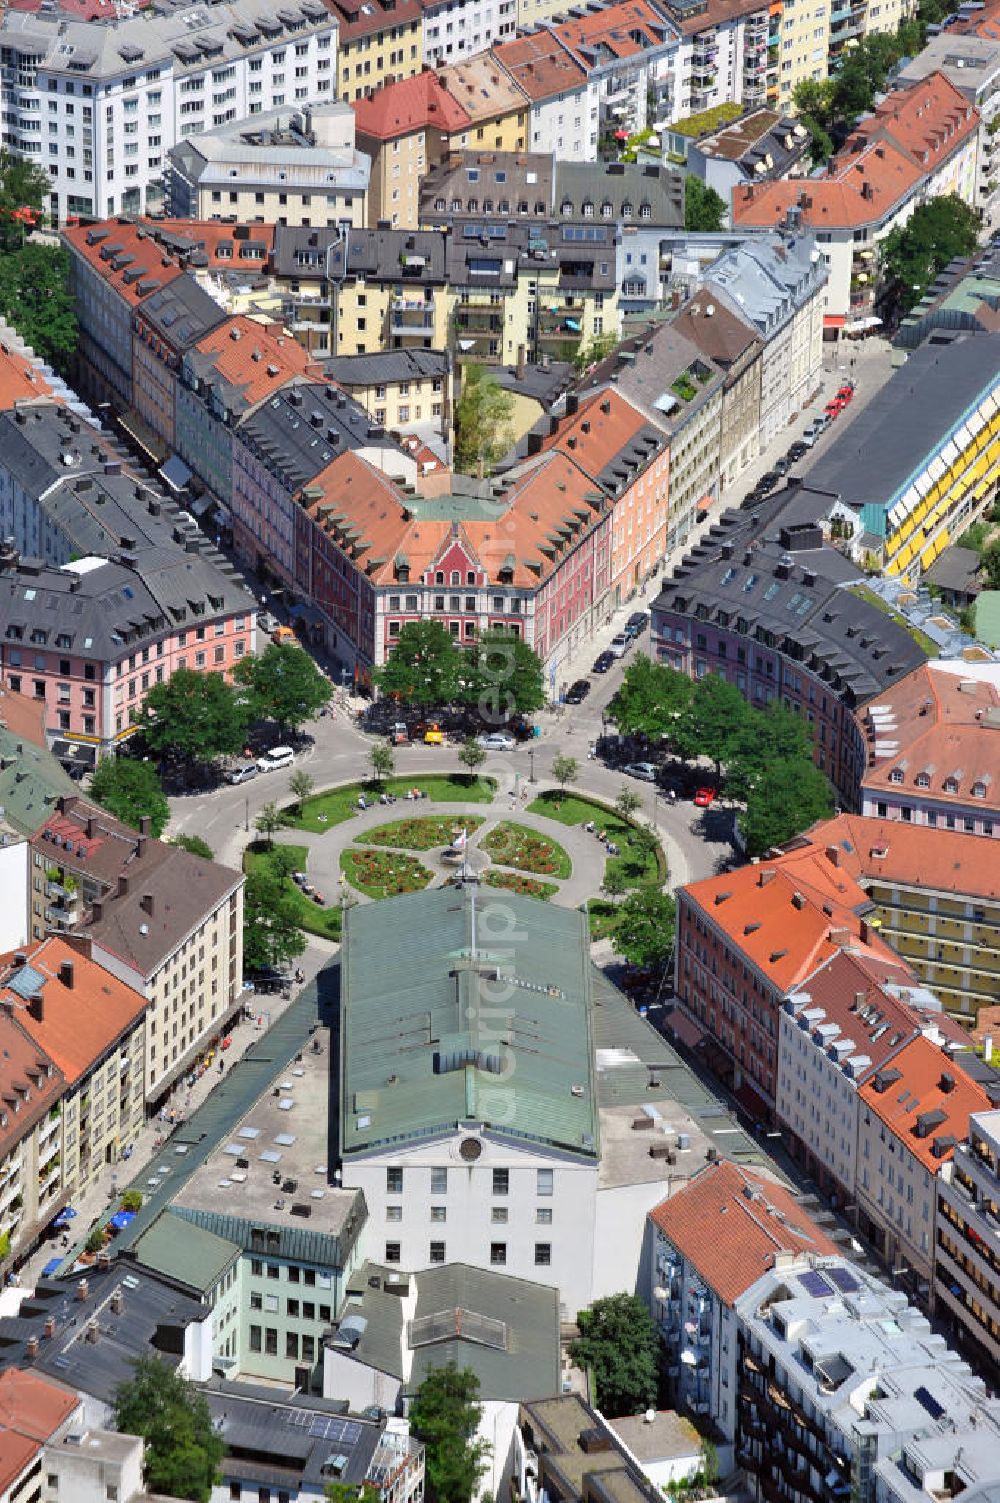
[(271, 936), (704, 209), (445, 1416), (502, 675), (482, 422), (35, 298), (183, 1450), (645, 931), (713, 721), (196, 717), (764, 738), (425, 666), (284, 685), (651, 698), (787, 798), (618, 1344), (194, 845), (23, 184), (913, 254), (129, 789)]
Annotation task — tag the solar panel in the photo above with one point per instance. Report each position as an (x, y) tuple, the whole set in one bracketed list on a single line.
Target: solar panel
[(844, 1280), (26, 982), (927, 1400), (331, 1427), (815, 1284)]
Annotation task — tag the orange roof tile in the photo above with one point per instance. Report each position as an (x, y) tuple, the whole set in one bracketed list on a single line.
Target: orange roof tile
[(539, 66), (21, 380), (852, 991), (410, 105), (547, 509), (31, 1411), (730, 1223), (920, 1108), (257, 358), (928, 121), (891, 850), (30, 1082), (481, 87), (593, 436), (980, 23), (942, 726), (125, 256), (78, 1022), (623, 30), (208, 235), (23, 717)]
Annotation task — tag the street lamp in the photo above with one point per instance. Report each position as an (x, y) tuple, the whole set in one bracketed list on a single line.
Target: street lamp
[(531, 760), (247, 824)]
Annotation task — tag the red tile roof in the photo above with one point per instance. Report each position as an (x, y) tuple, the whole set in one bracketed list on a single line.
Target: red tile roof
[(30, 1082), (81, 1021), (20, 379), (257, 358), (125, 256), (601, 428), (623, 30), (481, 87), (927, 121), (852, 992), (208, 235), (31, 1411), (412, 104), (891, 850), (23, 716), (920, 1108), (539, 66), (731, 1223)]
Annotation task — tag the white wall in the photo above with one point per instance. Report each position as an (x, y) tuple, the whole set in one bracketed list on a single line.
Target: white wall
[(620, 1228), (85, 1477), (14, 895), (359, 1384)]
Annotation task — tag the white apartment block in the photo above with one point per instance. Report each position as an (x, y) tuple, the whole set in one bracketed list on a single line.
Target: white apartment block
[(100, 106), (455, 29), (967, 1270)]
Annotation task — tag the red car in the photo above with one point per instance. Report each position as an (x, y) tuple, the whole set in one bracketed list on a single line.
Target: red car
[(835, 408), (845, 394), (704, 797)]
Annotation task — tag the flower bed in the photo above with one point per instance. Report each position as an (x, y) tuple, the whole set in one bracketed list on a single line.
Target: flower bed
[(384, 874), (420, 834), (527, 887), (515, 845)]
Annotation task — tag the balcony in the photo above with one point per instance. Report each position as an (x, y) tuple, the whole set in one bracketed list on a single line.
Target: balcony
[(561, 328), (411, 318), (479, 318)]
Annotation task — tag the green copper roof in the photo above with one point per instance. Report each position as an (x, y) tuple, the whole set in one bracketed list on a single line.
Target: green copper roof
[(188, 1253), (30, 782), (462, 1005)]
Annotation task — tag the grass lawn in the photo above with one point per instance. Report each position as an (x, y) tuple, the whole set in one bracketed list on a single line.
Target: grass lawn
[(308, 915), (922, 640), (332, 807), (419, 834), (516, 845), (639, 869), (528, 887), (384, 874), (604, 917)]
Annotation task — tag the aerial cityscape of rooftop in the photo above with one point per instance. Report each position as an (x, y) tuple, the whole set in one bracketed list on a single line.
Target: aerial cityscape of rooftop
[(500, 751)]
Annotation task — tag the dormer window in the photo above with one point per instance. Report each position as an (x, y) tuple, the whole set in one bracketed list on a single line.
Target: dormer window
[(588, 209), (607, 209), (566, 208), (896, 775), (627, 210), (979, 789)]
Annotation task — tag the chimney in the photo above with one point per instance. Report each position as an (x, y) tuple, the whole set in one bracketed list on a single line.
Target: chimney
[(31, 1347), (49, 1329), (83, 1289), (36, 1007), (947, 1082), (859, 1000), (92, 1332), (144, 825), (20, 958), (91, 826), (66, 974), (140, 847), (146, 903), (123, 886), (118, 1300), (522, 362), (833, 855)]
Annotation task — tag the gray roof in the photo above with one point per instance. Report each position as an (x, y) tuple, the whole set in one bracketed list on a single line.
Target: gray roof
[(418, 1057), (300, 430), (522, 182), (298, 1244), (182, 312), (915, 412), (652, 195), (760, 145), (768, 278), (31, 781), (284, 1442), (416, 258), (280, 137), (969, 62), (383, 367), (646, 367), (193, 1255), (505, 1329), (187, 38), (955, 569)]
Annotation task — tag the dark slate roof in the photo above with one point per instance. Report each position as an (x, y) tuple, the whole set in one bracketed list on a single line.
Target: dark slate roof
[(182, 312), (956, 569), (905, 421), (298, 1244), (521, 181), (383, 367), (298, 432), (656, 189), (376, 255), (284, 1443)]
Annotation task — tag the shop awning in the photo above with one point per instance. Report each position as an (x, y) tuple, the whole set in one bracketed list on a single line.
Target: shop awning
[(51, 1268), (834, 320), (66, 1215), (175, 472), (120, 1220)]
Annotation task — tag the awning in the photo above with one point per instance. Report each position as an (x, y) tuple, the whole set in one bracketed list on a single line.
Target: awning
[(120, 1220), (175, 472), (862, 325), (198, 505), (66, 1215), (834, 320), (51, 1268), (309, 613)]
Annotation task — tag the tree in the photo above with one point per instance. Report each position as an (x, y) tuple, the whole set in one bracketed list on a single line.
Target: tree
[(503, 675), (300, 785), (284, 685), (651, 698), (627, 802), (352, 1492), (645, 933), (814, 106), (196, 717), (445, 1415), (786, 800), (564, 770), (34, 296), (23, 185), (425, 666), (989, 565), (714, 722), (614, 882), (268, 821), (592, 353), (936, 233), (618, 1344), (382, 760), (271, 935), (471, 754), (482, 422), (765, 739), (129, 789), (195, 845), (183, 1450), (704, 209)]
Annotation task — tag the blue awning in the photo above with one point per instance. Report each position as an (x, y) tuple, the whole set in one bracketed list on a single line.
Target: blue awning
[(51, 1268), (120, 1220), (66, 1215), (175, 472)]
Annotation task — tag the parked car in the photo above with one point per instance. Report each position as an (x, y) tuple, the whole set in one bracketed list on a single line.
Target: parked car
[(497, 741), (834, 408), (782, 465), (603, 662), (267, 622), (816, 427), (399, 735), (845, 393), (577, 693), (704, 797), (620, 645), (242, 773), (283, 636), (644, 771), (797, 451), (277, 757), (637, 623)]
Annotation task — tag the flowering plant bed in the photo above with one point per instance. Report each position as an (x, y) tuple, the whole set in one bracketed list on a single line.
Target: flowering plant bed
[(420, 834), (384, 874), (515, 845), (527, 887)]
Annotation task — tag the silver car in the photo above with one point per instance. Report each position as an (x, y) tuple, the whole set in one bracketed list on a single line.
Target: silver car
[(645, 771), (497, 741)]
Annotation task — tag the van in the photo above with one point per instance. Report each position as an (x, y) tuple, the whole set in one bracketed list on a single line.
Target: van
[(242, 773), (283, 635), (277, 757)]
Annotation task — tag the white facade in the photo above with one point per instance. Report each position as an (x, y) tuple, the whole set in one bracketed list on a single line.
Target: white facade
[(526, 1213), (561, 125), (725, 64), (454, 29), (897, 1193), (817, 1096), (699, 1333), (99, 106), (91, 1466), (967, 1268)]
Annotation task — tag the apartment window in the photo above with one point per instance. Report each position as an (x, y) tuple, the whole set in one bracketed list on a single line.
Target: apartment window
[(501, 1181), (255, 1339), (292, 1343), (270, 1341), (394, 1213), (544, 1185), (437, 1252), (394, 1181), (273, 1271), (499, 1215), (439, 1213), (543, 1254), (439, 1181), (392, 1252), (543, 1215), (498, 1254), (256, 1302)]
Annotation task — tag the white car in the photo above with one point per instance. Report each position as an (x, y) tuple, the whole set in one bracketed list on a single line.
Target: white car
[(645, 771), (277, 757), (497, 741)]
